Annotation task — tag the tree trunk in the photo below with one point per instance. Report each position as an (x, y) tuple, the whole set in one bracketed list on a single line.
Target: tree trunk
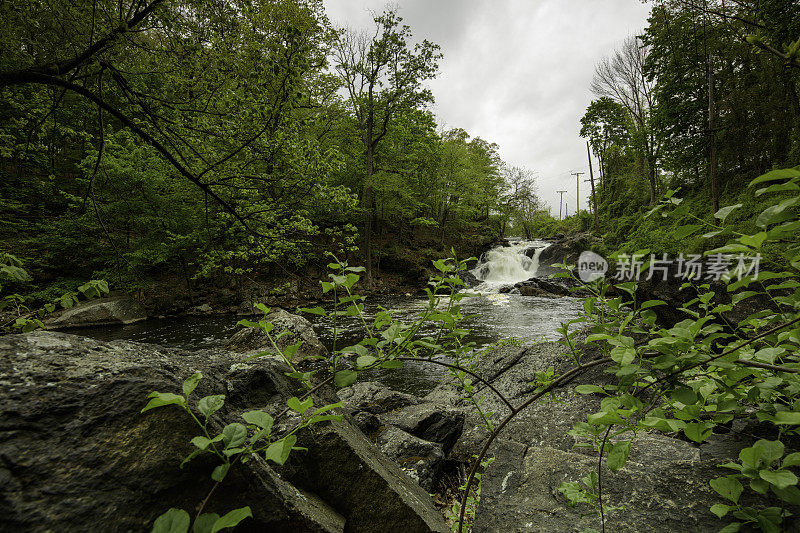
[(367, 199), (712, 134)]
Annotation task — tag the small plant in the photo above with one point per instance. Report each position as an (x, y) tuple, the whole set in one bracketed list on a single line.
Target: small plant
[(236, 442), (472, 499)]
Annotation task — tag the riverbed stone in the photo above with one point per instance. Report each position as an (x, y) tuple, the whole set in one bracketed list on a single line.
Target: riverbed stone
[(420, 459), (300, 330), (375, 398), (564, 250), (429, 422), (115, 310), (77, 454)]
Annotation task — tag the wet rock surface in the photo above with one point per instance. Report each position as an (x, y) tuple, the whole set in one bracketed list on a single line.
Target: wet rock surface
[(300, 330), (77, 454), (116, 310), (417, 434)]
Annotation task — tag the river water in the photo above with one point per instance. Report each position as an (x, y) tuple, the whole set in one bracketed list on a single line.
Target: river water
[(499, 316)]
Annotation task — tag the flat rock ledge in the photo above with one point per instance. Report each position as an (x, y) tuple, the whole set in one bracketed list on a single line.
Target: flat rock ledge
[(664, 486)]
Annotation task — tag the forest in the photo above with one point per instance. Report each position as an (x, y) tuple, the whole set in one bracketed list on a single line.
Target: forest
[(212, 141), (252, 279)]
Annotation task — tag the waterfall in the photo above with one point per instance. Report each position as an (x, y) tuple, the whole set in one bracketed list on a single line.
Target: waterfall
[(506, 265)]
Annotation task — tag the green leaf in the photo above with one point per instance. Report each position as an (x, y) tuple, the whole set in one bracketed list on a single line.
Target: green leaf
[(789, 494), (392, 363), (684, 231), (191, 383), (173, 521), (775, 175), (728, 487), (776, 213), (301, 407), (345, 378), (698, 431), (753, 240), (159, 399), (793, 459), (780, 478), (589, 389), (234, 435), (278, 451), (259, 418), (204, 523), (720, 509), (623, 355), (787, 417), (208, 405), (220, 472), (618, 455), (723, 213), (201, 442), (685, 395), (652, 303), (365, 361), (232, 519)]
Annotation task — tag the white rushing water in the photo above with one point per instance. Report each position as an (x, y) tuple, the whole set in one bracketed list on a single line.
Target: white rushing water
[(506, 265)]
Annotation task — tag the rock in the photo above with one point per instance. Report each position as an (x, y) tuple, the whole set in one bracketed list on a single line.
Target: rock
[(534, 455), (533, 289), (429, 422), (76, 451), (300, 330), (86, 456), (420, 459), (375, 398), (116, 310), (520, 492), (203, 309), (350, 473), (469, 279), (565, 250)]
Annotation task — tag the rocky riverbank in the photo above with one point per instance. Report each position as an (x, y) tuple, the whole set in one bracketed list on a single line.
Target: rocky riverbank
[(76, 451), (77, 454)]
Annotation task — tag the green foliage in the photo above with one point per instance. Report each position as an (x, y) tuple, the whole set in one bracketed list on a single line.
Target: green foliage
[(699, 374)]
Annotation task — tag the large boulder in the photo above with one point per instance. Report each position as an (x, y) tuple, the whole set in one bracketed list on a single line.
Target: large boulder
[(565, 250), (77, 454), (116, 310), (300, 330), (535, 454)]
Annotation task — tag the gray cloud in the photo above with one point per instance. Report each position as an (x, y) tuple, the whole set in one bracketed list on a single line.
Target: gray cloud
[(516, 72)]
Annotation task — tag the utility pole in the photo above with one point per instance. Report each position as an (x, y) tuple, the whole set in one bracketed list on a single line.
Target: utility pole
[(591, 180), (578, 190), (560, 202)]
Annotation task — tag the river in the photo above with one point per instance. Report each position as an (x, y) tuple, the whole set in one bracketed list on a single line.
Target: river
[(499, 316)]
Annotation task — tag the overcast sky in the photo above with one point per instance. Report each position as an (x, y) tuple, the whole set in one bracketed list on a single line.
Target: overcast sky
[(516, 72)]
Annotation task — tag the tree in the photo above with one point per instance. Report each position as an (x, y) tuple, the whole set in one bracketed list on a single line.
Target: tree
[(622, 78), (605, 124), (382, 75)]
